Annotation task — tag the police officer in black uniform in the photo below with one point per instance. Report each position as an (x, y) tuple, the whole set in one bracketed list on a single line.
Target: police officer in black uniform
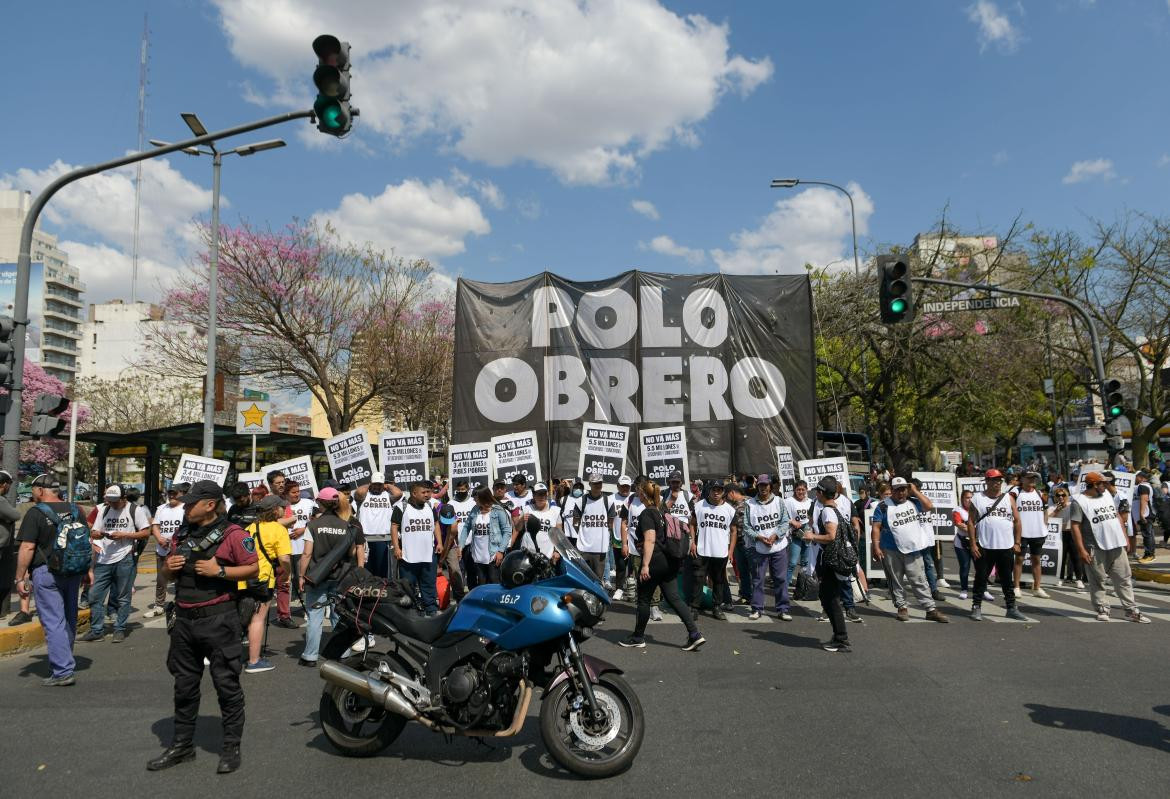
[(209, 555)]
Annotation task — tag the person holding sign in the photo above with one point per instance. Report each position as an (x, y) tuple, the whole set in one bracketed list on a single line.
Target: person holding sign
[(715, 536), (487, 530), (1099, 535), (899, 540), (993, 524), (417, 540), (1030, 505)]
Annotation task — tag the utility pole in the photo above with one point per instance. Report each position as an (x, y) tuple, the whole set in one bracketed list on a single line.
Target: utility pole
[(141, 144)]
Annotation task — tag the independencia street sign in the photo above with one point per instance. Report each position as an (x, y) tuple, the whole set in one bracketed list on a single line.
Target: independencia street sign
[(984, 304)]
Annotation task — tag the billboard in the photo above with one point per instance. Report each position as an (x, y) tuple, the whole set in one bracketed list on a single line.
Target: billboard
[(36, 305)]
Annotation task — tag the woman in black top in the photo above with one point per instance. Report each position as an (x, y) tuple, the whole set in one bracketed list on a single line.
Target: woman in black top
[(659, 570)]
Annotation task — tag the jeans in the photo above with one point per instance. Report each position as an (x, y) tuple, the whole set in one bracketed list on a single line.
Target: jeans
[(777, 564), (830, 596), (610, 555), (314, 594), (664, 576), (422, 576), (56, 598), (745, 566), (963, 556), (928, 566), (381, 561), (1003, 561), (798, 552), (116, 579), (912, 567), (847, 594)]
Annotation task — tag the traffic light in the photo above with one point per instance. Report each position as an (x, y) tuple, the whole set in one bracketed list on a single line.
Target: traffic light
[(1114, 401), (332, 80), (1114, 442), (7, 350), (896, 294), (46, 419)]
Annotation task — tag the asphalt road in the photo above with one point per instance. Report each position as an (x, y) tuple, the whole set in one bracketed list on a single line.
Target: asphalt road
[(1062, 707)]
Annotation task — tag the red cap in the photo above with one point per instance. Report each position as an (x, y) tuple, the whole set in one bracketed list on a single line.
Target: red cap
[(993, 473)]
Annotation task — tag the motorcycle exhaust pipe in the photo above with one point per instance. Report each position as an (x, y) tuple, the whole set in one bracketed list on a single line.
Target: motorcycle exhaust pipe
[(375, 690)]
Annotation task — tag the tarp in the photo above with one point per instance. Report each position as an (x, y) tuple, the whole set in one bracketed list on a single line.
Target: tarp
[(729, 357)]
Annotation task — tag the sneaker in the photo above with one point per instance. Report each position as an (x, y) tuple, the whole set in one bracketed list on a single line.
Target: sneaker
[(94, 635), (633, 642), (694, 642), (1014, 613), (837, 646), (59, 682), (1080, 585), (755, 614), (936, 615), (1102, 615), (903, 614), (263, 664), (962, 595), (1137, 616), (20, 618), (726, 606), (988, 596), (152, 612), (943, 583), (939, 597), (976, 613), (618, 595), (785, 616), (1040, 593), (206, 662), (718, 614), (309, 663), (655, 613), (934, 595), (119, 636), (740, 601), (1146, 559), (852, 615), (287, 624)]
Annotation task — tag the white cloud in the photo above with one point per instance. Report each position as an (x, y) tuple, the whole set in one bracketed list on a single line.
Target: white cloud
[(665, 245), (488, 192), (1165, 159), (645, 208), (995, 29), (1081, 171), (103, 205), (812, 227), (585, 89), (412, 218)]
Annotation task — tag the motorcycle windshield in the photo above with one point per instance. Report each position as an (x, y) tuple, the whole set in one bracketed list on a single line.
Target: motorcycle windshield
[(570, 554)]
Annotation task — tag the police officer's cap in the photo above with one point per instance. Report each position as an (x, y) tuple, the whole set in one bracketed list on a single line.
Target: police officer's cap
[(201, 490)]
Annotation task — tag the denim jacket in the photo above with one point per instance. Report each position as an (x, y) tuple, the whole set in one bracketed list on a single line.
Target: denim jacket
[(751, 533), (500, 534)]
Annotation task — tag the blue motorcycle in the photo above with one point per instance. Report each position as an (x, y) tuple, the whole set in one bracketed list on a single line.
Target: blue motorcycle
[(472, 669)]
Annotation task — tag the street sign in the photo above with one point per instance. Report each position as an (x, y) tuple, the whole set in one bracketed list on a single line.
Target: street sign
[(980, 304), (253, 417), (253, 394)]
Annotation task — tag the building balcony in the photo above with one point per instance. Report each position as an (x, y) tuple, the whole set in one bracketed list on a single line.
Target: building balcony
[(61, 311), (59, 346), (62, 328), (62, 295)]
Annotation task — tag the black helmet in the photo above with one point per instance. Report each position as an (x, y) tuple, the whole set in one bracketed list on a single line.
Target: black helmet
[(517, 569)]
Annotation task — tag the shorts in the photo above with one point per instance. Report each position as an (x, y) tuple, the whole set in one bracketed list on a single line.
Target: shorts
[(1032, 546)]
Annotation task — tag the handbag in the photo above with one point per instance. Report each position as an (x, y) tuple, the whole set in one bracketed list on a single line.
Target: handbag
[(839, 554), (807, 587)]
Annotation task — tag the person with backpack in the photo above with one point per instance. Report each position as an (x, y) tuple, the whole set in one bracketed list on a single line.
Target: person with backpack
[(825, 523), (662, 542), (274, 551), (325, 534), (899, 539), (52, 563)]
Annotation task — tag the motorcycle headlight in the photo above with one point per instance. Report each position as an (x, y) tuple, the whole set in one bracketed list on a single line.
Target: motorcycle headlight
[(592, 604)]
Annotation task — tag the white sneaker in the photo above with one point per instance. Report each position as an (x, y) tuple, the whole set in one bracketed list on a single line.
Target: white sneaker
[(1040, 593), (962, 595), (1102, 615), (988, 596), (822, 617), (755, 614), (1080, 586), (1060, 583), (655, 613), (152, 613), (617, 595), (943, 583)]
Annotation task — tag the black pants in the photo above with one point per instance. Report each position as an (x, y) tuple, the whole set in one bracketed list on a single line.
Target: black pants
[(7, 577), (1003, 561), (623, 565), (216, 638), (294, 583), (486, 573), (1071, 567), (596, 563), (830, 595), (713, 569), (664, 575)]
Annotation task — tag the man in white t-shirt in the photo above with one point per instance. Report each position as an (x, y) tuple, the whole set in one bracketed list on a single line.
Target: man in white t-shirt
[(417, 540), (1032, 508), (1098, 533), (116, 528), (714, 543), (593, 518), (374, 515), (519, 497), (993, 525), (167, 518)]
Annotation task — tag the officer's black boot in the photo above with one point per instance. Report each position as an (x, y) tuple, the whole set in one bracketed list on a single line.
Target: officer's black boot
[(229, 760), (176, 753)]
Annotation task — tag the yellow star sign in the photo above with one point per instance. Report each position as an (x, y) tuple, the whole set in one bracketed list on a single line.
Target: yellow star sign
[(253, 416)]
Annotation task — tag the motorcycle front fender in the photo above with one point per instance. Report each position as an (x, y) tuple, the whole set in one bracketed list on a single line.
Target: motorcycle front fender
[(594, 667)]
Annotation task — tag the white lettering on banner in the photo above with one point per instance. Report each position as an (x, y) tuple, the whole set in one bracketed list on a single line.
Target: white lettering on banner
[(614, 382), (695, 316), (655, 331), (523, 380), (563, 396), (609, 305)]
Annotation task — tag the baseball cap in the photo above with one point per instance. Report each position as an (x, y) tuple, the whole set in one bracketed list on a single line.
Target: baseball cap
[(113, 492), (519, 478), (899, 482), (446, 515), (1092, 478), (377, 478), (539, 487), (828, 484), (270, 502), (5, 477), (991, 474), (715, 485), (675, 475), (46, 481), (201, 490), (499, 482), (764, 479), (181, 488), (595, 477), (625, 480), (328, 493)]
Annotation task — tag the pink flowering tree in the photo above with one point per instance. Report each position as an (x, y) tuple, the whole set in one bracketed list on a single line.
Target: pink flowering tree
[(308, 311), (44, 453)]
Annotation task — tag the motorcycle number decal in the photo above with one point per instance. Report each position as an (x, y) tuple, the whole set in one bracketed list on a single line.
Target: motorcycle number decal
[(509, 599)]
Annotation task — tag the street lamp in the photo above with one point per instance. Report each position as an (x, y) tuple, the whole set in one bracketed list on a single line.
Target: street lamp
[(791, 183), (213, 271)]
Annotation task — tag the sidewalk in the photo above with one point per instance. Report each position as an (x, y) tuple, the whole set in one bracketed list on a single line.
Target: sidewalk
[(1156, 572)]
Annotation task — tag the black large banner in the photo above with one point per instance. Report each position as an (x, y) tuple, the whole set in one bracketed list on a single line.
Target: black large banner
[(730, 357)]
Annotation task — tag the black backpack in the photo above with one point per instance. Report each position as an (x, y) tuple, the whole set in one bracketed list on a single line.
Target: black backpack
[(839, 554)]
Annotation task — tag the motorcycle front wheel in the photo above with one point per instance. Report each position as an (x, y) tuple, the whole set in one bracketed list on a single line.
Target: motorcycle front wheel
[(593, 748), (353, 724)]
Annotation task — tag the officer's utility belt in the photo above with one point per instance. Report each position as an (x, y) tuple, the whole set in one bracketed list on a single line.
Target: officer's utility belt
[(206, 610)]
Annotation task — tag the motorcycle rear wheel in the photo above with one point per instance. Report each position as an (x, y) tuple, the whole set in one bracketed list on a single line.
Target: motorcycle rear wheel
[(589, 750), (354, 726)]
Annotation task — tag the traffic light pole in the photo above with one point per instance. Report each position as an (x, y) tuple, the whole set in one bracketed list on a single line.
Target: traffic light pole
[(1098, 360), (12, 437)]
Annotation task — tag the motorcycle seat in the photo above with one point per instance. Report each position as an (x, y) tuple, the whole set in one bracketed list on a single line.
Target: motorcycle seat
[(413, 624)]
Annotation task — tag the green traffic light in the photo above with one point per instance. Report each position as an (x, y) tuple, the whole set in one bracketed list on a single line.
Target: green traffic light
[(329, 113), (1115, 411), (898, 305)]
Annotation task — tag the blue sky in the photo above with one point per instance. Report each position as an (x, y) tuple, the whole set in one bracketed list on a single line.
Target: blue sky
[(504, 139)]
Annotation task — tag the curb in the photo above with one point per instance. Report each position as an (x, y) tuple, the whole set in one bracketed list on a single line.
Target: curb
[(1150, 576), (32, 635)]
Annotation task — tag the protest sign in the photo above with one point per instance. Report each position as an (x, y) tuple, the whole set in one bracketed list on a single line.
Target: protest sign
[(298, 470), (404, 456), (972, 484), (811, 471), (250, 479), (785, 471), (1050, 557), (664, 450), (939, 488), (516, 453), (1085, 468), (349, 457), (470, 462), (193, 468), (603, 450)]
